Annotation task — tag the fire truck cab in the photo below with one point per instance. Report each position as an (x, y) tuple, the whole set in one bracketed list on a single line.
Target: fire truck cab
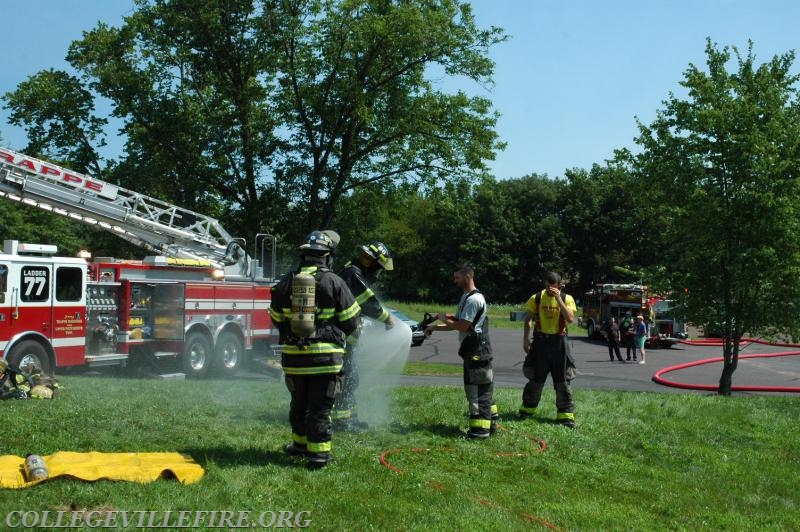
[(42, 306)]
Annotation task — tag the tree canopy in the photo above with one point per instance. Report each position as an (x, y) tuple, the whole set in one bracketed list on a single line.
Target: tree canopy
[(726, 161)]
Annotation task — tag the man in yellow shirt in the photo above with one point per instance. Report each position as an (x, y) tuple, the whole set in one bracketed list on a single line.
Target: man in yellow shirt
[(550, 312)]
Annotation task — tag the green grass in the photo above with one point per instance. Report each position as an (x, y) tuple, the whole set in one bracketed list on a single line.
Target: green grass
[(637, 461)]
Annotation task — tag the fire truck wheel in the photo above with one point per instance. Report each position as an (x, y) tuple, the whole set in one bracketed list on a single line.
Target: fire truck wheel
[(197, 354), (29, 353), (229, 352), (590, 329)]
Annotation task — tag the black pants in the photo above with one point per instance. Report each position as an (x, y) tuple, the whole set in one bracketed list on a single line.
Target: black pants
[(613, 348), (310, 409), (629, 346), (549, 357)]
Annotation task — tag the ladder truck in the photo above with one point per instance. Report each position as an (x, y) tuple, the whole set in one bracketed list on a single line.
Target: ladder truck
[(200, 300)]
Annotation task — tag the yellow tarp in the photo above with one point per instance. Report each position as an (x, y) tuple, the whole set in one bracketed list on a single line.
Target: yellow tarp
[(91, 466)]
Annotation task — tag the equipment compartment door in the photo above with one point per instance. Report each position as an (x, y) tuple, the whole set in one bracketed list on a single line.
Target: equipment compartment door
[(168, 311)]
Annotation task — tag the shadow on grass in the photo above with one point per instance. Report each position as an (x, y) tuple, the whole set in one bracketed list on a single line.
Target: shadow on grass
[(226, 457)]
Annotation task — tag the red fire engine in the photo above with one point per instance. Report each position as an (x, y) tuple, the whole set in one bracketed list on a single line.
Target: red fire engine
[(616, 300), (607, 300), (202, 300)]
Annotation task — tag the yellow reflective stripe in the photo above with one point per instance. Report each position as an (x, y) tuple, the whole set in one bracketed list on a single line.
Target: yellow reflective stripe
[(363, 296), (277, 315), (300, 440), (319, 447), (313, 370), (326, 313), (384, 317), (341, 414), (322, 348), (565, 415), (494, 410), (480, 423), (527, 410), (308, 269), (350, 312)]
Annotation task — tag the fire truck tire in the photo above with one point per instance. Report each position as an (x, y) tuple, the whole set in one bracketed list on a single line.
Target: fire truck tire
[(29, 352), (229, 353), (590, 329), (197, 354)]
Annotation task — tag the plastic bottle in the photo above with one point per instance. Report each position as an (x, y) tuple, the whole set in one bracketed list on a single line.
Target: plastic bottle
[(35, 468)]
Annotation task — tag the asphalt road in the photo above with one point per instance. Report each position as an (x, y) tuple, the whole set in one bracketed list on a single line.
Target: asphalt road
[(596, 371)]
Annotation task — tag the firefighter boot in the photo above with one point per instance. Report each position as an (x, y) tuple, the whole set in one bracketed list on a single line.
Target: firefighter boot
[(295, 449), (318, 461), (495, 420)]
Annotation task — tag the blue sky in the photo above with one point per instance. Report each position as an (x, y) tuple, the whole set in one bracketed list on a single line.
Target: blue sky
[(569, 83)]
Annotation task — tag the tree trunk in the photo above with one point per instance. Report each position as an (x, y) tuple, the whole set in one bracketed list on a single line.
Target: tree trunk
[(730, 356)]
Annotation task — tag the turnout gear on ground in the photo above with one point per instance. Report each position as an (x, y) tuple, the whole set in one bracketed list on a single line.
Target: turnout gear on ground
[(18, 384), (312, 365)]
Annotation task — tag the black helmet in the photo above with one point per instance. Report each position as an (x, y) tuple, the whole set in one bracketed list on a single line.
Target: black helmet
[(318, 241), (381, 254)]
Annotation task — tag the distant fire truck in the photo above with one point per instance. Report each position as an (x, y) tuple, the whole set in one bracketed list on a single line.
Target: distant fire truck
[(202, 300), (612, 300), (616, 300)]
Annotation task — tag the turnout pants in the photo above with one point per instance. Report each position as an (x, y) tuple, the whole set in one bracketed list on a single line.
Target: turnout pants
[(549, 356), (479, 388), (345, 405), (310, 410)]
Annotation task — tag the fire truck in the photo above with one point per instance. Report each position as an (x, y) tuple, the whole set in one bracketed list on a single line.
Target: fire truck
[(612, 300), (616, 300), (200, 301)]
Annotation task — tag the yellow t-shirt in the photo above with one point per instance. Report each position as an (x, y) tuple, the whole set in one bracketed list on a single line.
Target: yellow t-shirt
[(549, 311)]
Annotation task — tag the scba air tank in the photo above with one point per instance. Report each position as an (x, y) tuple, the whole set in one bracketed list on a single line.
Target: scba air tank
[(303, 305), (35, 468)]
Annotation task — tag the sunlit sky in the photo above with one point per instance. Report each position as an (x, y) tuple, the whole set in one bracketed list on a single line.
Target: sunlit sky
[(569, 83)]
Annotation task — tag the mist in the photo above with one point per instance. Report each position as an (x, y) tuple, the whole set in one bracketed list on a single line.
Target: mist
[(380, 357)]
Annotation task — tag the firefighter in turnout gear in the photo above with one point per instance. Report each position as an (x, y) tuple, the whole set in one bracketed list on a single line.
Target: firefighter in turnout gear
[(313, 364), (475, 349), (547, 352), (359, 274)]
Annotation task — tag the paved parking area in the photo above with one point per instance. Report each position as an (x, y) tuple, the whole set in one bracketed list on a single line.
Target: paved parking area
[(596, 371)]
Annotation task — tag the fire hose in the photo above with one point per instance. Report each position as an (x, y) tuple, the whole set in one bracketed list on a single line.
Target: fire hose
[(659, 379)]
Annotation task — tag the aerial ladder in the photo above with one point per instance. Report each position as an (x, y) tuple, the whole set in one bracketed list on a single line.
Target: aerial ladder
[(150, 223)]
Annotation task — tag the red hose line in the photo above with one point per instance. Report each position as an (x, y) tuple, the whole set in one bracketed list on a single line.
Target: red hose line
[(657, 377)]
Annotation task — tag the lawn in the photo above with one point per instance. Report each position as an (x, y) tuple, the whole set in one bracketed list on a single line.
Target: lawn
[(637, 461)]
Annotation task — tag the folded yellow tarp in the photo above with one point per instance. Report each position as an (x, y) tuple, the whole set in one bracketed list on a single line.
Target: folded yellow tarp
[(91, 466)]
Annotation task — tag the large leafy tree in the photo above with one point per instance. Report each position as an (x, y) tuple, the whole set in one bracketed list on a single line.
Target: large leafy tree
[(727, 160), (359, 104), (267, 113)]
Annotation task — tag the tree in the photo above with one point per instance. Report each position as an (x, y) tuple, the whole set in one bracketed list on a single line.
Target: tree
[(358, 103), (267, 113), (727, 161)]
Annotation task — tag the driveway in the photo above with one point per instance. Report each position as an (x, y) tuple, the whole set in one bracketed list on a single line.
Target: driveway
[(596, 371)]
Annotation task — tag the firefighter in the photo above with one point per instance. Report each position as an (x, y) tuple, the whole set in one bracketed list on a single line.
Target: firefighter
[(312, 360), (551, 311), (359, 274), (475, 349)]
